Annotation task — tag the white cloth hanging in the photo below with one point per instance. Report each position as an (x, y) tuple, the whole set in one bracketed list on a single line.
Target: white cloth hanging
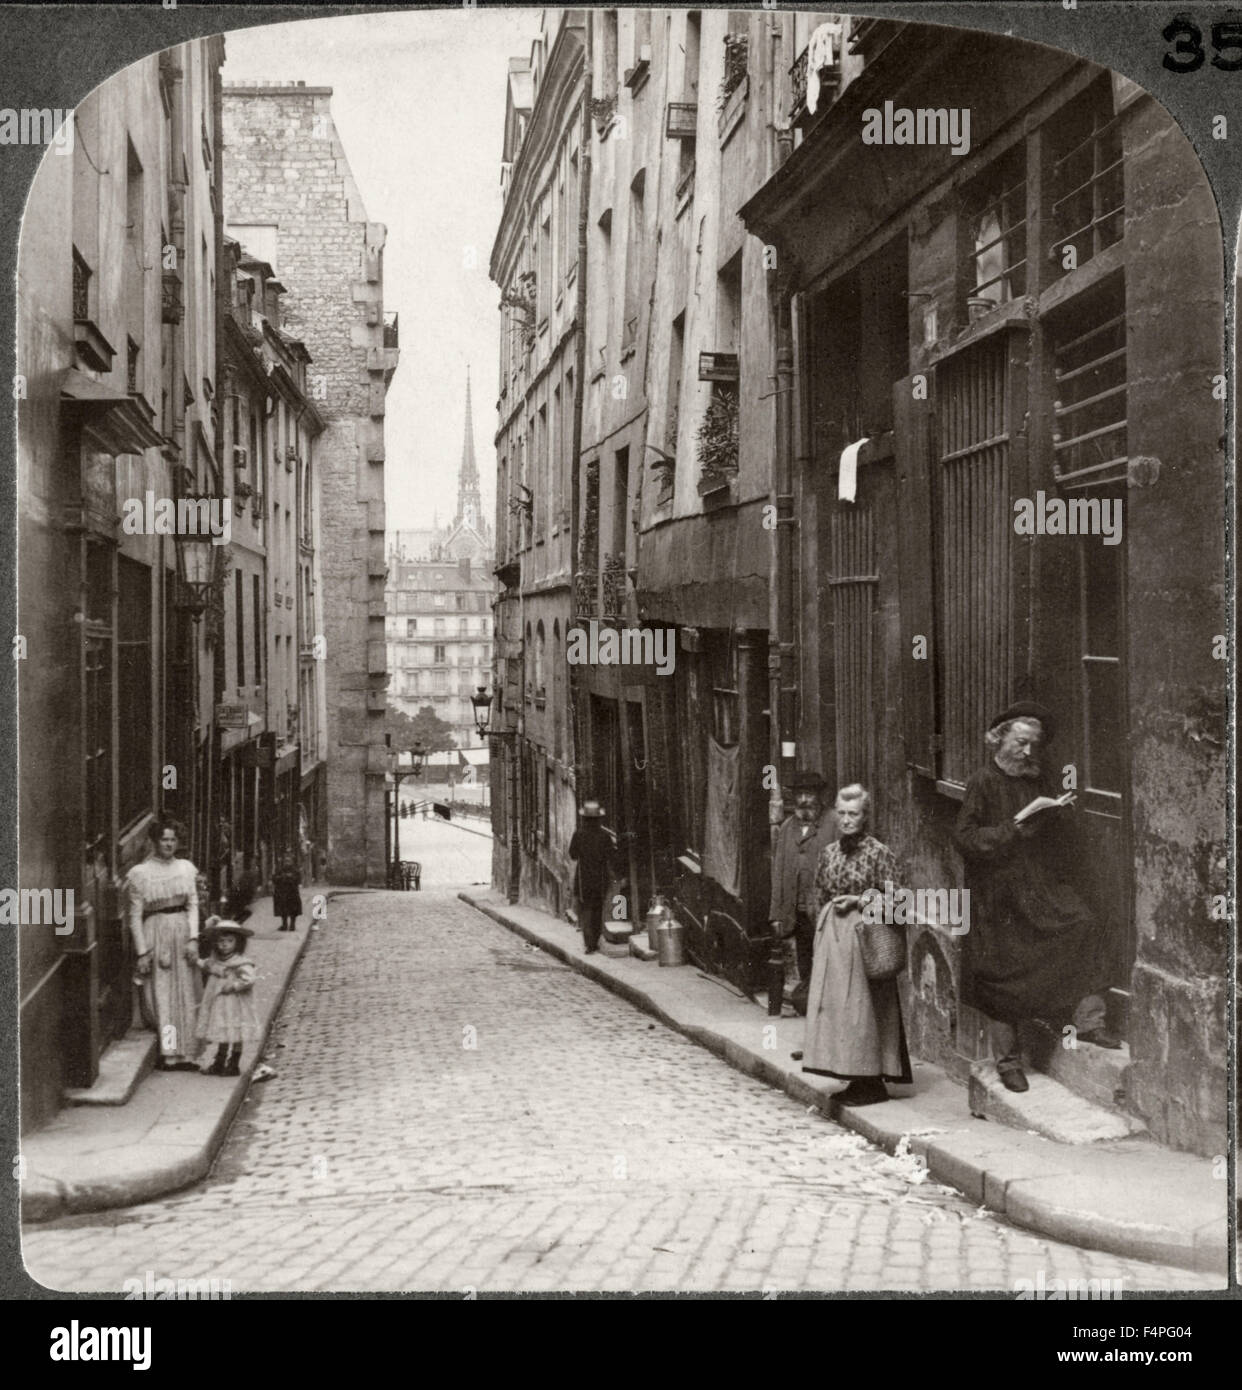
[(847, 475), (819, 53)]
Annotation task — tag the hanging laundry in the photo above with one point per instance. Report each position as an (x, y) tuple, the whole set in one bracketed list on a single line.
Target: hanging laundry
[(847, 473), (819, 55)]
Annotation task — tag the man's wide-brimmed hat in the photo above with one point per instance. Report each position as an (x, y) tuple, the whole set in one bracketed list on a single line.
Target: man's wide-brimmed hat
[(592, 810), (807, 782), (217, 925), (1028, 709)]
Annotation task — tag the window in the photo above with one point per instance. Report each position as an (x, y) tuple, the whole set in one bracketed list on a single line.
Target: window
[(258, 631), (569, 254), (852, 582), (608, 55), (676, 366), (461, 600), (439, 627), (540, 688), (1086, 183), (996, 222), (1089, 356), (239, 616), (411, 627), (97, 712), (134, 674), (971, 492), (438, 657), (438, 600), (634, 259), (133, 260), (690, 88)]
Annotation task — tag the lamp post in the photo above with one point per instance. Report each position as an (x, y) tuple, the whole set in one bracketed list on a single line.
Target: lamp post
[(400, 770), (481, 701)]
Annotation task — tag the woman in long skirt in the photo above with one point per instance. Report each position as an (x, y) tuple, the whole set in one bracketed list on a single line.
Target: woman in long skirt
[(854, 1030), (162, 908), (286, 897)]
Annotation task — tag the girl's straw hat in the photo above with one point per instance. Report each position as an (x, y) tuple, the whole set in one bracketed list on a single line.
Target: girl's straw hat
[(216, 925)]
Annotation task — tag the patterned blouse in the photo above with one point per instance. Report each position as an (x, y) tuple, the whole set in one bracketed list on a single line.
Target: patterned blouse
[(852, 866)]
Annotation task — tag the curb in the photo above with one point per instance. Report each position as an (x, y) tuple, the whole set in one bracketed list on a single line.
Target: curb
[(1029, 1180), (46, 1199)]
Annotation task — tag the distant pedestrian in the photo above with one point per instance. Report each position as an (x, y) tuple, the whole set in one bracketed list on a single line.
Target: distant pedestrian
[(591, 848), (226, 1016), (286, 899), (793, 906)]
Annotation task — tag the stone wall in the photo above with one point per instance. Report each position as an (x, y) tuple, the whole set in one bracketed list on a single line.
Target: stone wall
[(287, 169)]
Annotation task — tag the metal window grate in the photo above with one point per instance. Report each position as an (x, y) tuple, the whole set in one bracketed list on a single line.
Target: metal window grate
[(973, 512), (1088, 182), (1090, 438), (998, 230), (853, 587)]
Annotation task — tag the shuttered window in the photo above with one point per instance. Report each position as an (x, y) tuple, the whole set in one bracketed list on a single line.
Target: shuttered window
[(974, 525), (853, 586)]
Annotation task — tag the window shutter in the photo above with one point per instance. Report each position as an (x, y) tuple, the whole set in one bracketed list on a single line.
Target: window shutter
[(912, 446)]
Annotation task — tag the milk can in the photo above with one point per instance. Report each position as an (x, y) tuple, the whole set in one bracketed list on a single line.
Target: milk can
[(659, 911), (671, 942)]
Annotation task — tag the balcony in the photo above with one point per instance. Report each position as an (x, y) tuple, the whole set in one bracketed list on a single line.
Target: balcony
[(586, 595), (93, 349), (829, 84)]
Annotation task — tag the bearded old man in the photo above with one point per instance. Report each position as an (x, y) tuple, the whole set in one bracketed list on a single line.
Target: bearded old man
[(792, 912), (1034, 947)]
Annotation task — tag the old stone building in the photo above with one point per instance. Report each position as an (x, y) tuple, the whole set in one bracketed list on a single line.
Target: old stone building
[(826, 367), (537, 262), (439, 596), (291, 200), (118, 272), (270, 698)]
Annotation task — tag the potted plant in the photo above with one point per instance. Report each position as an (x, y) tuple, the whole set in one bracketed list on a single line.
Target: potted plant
[(736, 56), (717, 443)]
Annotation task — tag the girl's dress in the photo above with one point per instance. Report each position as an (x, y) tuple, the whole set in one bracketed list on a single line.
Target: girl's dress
[(853, 1025), (227, 1014), (286, 900), (162, 908)]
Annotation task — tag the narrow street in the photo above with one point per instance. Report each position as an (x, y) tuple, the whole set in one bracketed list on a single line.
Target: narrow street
[(454, 1110)]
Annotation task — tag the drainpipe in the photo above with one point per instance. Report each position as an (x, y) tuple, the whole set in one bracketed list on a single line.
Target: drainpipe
[(782, 668), (580, 348)]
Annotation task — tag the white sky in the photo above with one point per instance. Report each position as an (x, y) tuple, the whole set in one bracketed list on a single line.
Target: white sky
[(419, 101)]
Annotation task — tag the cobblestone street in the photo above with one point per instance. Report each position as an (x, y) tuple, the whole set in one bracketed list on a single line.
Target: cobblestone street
[(454, 1110)]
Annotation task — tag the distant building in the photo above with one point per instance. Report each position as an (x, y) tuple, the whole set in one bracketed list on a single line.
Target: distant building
[(291, 200), (439, 608)]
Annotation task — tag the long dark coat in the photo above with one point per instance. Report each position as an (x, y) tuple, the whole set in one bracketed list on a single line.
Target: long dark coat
[(286, 900), (592, 849), (1033, 948)]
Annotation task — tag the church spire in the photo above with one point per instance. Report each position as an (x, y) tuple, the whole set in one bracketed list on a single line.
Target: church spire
[(469, 505)]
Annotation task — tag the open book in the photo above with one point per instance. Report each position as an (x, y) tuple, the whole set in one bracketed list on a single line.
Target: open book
[(1043, 803)]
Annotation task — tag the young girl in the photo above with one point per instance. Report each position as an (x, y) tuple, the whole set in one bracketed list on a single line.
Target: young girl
[(286, 899), (226, 1016)]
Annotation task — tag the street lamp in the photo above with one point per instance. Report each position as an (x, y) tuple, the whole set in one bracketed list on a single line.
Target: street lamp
[(400, 769), (482, 703), (196, 555)]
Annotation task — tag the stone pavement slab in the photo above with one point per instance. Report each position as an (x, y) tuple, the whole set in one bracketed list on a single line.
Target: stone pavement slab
[(92, 1157), (1127, 1196)]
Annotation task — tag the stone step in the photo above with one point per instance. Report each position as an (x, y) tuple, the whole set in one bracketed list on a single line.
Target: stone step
[(1048, 1108), (640, 946), (1098, 1074), (121, 1067)]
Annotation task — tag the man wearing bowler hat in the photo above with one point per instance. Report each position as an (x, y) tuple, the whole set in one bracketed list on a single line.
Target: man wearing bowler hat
[(1033, 949), (591, 848), (798, 843)]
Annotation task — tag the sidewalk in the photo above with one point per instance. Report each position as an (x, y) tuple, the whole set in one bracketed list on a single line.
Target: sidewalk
[(166, 1134), (1113, 1196)]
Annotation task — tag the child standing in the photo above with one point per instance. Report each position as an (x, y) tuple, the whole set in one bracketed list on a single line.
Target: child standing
[(286, 899), (226, 1016)]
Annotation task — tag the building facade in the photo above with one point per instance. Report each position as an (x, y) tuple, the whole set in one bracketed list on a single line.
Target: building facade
[(827, 373), (292, 200), (270, 696), (439, 597), (537, 263), (118, 273)]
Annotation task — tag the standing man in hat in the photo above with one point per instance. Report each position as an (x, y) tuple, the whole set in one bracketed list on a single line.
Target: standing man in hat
[(591, 848), (798, 844), (1033, 949)]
